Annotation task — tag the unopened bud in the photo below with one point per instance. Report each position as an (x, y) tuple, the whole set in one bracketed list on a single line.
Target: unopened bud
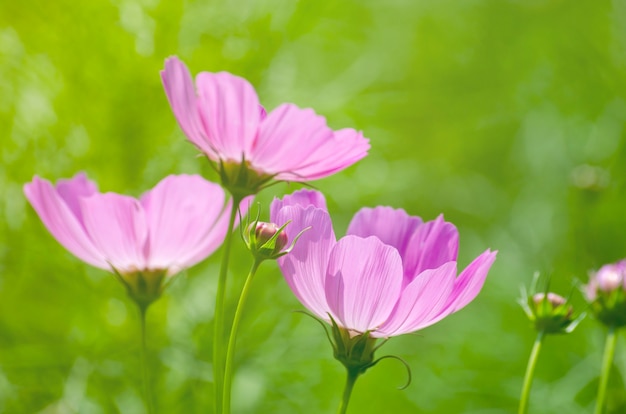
[(549, 313), (606, 292), (266, 240), (265, 231), (552, 298), (554, 302)]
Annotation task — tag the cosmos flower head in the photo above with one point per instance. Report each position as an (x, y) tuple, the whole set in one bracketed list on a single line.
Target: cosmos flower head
[(221, 115), (391, 274), (175, 225)]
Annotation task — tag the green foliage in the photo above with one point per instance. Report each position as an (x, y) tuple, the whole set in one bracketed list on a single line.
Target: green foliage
[(507, 116)]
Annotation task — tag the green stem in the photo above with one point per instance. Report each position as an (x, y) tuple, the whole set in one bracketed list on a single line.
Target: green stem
[(530, 370), (230, 352), (347, 391), (144, 364), (607, 361), (218, 333)]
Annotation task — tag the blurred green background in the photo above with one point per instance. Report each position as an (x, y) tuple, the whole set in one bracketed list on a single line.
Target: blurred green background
[(507, 116)]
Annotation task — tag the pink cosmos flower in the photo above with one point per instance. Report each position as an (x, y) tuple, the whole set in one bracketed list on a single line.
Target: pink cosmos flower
[(223, 118), (391, 274), (171, 227)]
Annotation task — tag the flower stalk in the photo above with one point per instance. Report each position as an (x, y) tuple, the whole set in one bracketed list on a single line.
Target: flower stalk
[(144, 363), (550, 314), (607, 362), (530, 371), (232, 341), (266, 241), (351, 378), (218, 331), (606, 294)]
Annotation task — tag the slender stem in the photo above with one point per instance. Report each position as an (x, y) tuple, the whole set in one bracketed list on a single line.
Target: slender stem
[(607, 362), (347, 391), (218, 333), (144, 363), (232, 340), (530, 370)]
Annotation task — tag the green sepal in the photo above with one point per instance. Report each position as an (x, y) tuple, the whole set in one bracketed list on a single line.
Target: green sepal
[(240, 179), (143, 287), (354, 351), (610, 307)]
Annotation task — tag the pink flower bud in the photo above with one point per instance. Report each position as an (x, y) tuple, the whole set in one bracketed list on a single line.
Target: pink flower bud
[(607, 279), (267, 240), (551, 313), (265, 231), (606, 293), (554, 299)]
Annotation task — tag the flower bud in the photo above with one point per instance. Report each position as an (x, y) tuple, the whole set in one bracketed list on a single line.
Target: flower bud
[(553, 299), (550, 313), (266, 240), (606, 292), (265, 231)]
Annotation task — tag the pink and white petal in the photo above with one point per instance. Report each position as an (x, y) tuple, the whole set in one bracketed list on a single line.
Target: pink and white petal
[(421, 302), (433, 244), (185, 215), (471, 280), (60, 221), (363, 282), (288, 137), (303, 198), (305, 266), (343, 149), (117, 226), (181, 95), (72, 190), (229, 109), (212, 241), (392, 226)]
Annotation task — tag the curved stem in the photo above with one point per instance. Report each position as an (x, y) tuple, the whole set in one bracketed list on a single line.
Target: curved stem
[(530, 370), (218, 331), (607, 361), (232, 340), (144, 364), (347, 391)]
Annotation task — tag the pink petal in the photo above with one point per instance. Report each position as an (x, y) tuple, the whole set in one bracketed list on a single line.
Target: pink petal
[(305, 266), (471, 280), (391, 226), (363, 282), (343, 149), (72, 190), (187, 219), (117, 226), (59, 219), (181, 94), (421, 302), (303, 198), (230, 112), (433, 244), (287, 138)]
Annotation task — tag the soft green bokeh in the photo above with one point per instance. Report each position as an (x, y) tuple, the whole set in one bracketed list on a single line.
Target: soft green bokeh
[(507, 116)]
